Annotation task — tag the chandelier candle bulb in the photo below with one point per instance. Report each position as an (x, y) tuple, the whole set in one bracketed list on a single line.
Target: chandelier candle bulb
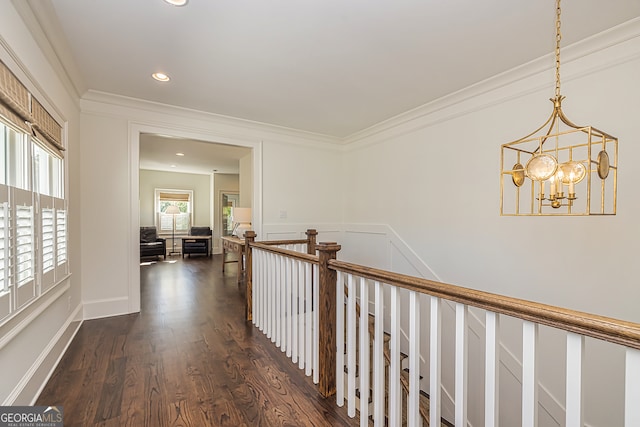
[(572, 185), (552, 191)]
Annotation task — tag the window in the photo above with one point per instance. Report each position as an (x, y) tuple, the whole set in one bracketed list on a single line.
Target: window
[(18, 158), (47, 240), (183, 199), (33, 216), (47, 171)]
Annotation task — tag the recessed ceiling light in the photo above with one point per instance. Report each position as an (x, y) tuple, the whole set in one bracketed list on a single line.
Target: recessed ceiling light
[(173, 166), (177, 2), (161, 77), (180, 154)]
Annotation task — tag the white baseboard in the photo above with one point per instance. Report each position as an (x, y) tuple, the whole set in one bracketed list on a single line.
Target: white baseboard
[(98, 309), (28, 389)]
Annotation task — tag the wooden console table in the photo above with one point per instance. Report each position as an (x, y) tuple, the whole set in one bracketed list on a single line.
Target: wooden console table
[(233, 244)]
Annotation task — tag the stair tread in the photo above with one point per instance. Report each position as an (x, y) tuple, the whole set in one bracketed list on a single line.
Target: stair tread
[(404, 372)]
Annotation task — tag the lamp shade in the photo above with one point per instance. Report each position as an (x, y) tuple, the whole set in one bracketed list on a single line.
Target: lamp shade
[(241, 215), (172, 210)]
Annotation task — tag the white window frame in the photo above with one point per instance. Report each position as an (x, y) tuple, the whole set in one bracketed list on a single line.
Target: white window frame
[(159, 215)]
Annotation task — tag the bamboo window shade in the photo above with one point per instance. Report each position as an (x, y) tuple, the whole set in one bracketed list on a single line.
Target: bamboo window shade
[(23, 110), (174, 197), (46, 125), (14, 99)]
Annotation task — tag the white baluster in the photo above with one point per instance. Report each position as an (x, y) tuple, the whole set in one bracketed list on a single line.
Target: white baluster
[(395, 398), (364, 352), (283, 304), (316, 324), (254, 293), (308, 313), (632, 388), (435, 338), (260, 289), (575, 359), (265, 289), (271, 297), (529, 374), (492, 370), (301, 314), (340, 339), (413, 400), (293, 265), (288, 315), (257, 285), (378, 356), (461, 374), (351, 346), (278, 306)]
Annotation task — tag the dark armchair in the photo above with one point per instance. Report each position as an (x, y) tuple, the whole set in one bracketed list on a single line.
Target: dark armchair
[(151, 244), (198, 241)]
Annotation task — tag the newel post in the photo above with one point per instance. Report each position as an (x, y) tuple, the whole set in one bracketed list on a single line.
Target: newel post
[(249, 237), (311, 241), (327, 319)]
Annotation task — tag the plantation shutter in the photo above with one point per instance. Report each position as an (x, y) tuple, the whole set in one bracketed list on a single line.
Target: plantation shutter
[(47, 236), (5, 253), (24, 242), (61, 264)]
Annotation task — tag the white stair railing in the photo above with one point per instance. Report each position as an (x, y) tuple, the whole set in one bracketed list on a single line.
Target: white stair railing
[(285, 301), (285, 287), (577, 325)]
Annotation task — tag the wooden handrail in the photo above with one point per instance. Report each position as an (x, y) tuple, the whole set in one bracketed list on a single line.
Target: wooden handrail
[(283, 242), (313, 259), (310, 241), (600, 327)]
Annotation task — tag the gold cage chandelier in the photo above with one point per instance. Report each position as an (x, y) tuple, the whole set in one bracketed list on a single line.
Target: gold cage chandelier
[(568, 169)]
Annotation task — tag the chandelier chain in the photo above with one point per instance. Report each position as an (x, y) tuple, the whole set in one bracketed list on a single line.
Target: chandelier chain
[(558, 38)]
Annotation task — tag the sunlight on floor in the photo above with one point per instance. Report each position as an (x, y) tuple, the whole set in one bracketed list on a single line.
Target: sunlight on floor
[(148, 263)]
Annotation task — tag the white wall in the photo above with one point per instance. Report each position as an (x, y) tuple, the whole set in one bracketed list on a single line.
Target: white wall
[(110, 183), (32, 341), (306, 189), (432, 176), (198, 183)]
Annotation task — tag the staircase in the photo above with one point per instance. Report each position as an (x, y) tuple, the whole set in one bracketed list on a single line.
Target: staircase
[(404, 375), (297, 300)]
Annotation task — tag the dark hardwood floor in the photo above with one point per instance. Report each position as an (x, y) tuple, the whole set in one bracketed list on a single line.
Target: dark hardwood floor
[(187, 359)]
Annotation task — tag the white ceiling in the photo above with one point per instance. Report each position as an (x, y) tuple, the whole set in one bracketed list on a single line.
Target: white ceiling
[(332, 67), (159, 153)]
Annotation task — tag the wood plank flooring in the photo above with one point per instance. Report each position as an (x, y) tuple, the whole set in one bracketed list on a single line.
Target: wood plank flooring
[(187, 359)]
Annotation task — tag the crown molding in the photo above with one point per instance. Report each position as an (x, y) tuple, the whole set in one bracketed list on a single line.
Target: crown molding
[(505, 86), (121, 106), (39, 18)]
